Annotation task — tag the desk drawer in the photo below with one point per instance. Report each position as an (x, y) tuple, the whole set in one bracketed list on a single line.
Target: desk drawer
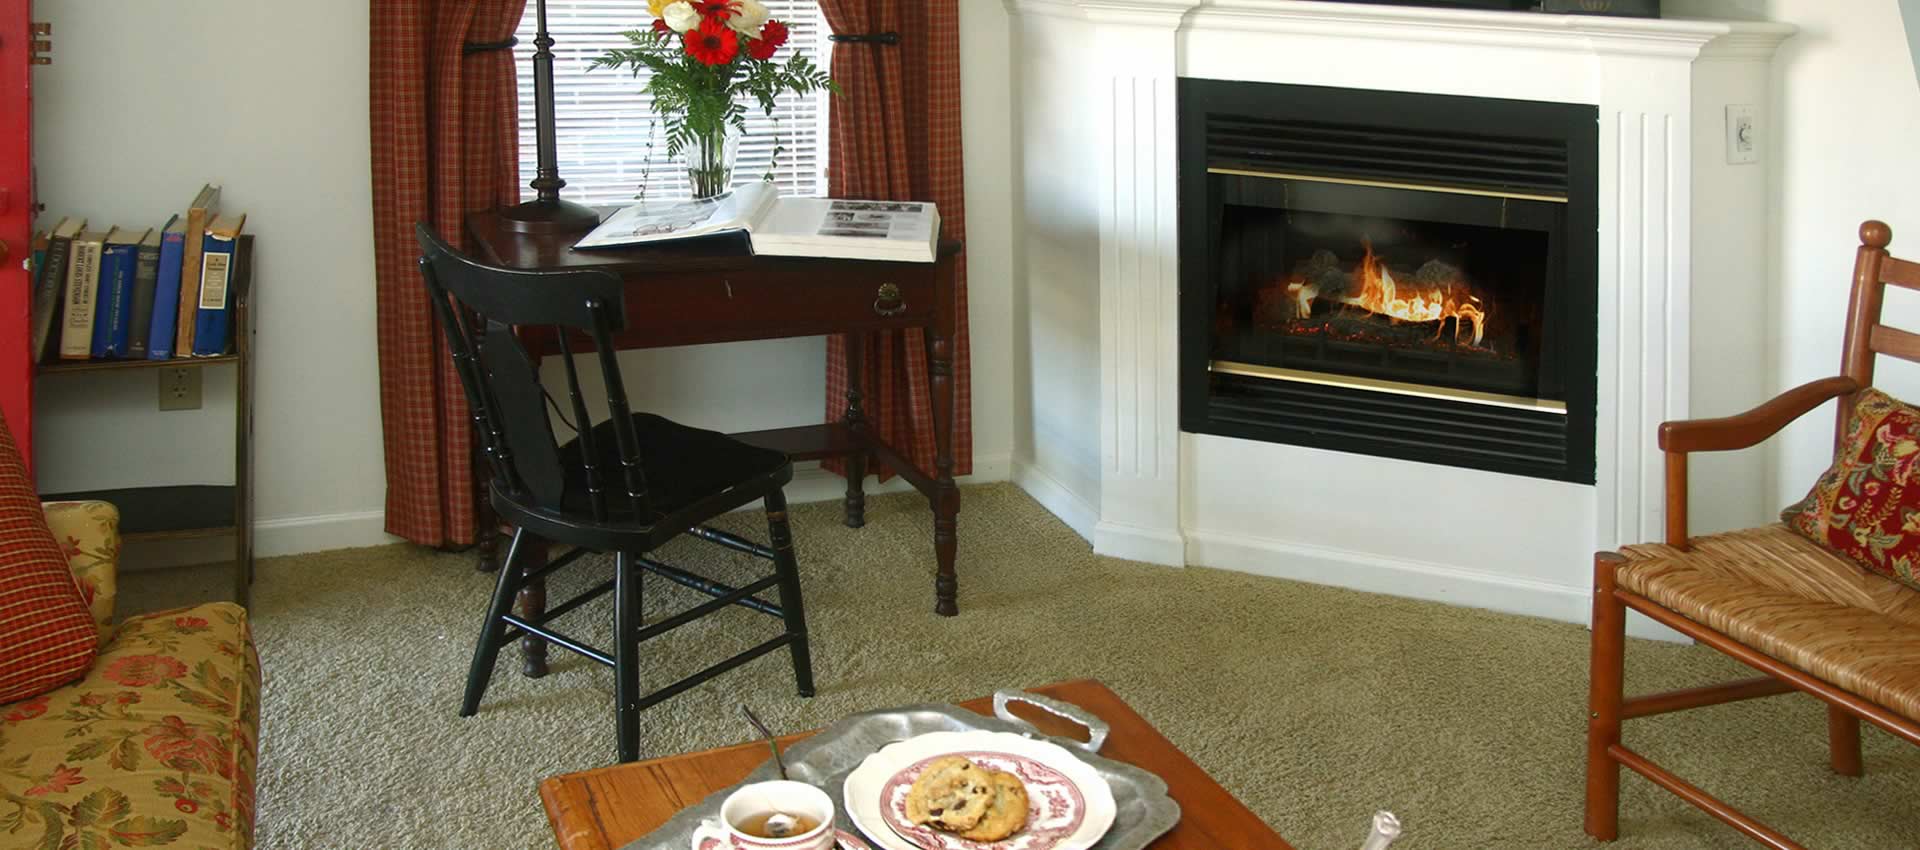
[(719, 307)]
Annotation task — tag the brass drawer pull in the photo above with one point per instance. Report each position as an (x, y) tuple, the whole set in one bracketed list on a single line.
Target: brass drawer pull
[(887, 301)]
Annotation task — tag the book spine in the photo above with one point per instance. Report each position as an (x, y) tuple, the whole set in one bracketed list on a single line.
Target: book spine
[(216, 273), (190, 282), (83, 280), (146, 271), (114, 302), (49, 292), (166, 297)]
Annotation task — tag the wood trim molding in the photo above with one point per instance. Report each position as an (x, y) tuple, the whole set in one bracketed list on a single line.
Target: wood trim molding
[(1677, 38)]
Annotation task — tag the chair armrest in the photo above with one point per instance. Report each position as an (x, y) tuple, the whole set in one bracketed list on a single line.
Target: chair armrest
[(89, 534), (1750, 428)]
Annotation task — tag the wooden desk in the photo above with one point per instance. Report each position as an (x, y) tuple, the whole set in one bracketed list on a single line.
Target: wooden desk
[(708, 290), (605, 809)]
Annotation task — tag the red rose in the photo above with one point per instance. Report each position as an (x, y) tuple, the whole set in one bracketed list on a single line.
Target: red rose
[(28, 710), (713, 43), (139, 671), (660, 26), (761, 49), (774, 33)]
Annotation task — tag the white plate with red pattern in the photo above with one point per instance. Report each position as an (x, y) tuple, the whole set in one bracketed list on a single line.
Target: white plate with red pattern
[(1069, 805)]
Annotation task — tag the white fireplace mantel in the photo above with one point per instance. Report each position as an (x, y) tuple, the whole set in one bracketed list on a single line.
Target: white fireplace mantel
[(1102, 234)]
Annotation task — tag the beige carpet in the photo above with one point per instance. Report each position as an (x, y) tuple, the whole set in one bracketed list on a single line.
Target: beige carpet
[(1315, 706)]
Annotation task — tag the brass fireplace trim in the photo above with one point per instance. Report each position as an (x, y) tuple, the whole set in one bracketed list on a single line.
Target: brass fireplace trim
[(1275, 373), (1388, 184)]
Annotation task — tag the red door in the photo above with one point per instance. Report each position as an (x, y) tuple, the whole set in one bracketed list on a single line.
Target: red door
[(16, 218)]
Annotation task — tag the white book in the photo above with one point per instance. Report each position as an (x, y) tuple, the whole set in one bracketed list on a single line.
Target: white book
[(900, 231)]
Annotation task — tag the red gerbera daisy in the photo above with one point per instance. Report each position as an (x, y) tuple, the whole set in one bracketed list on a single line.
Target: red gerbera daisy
[(760, 48), (774, 33), (714, 10), (713, 43)]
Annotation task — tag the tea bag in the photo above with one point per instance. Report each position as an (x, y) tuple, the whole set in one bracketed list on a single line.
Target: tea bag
[(1386, 828), (781, 825)]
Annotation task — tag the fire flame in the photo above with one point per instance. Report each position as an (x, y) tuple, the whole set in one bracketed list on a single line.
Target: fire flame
[(1380, 294)]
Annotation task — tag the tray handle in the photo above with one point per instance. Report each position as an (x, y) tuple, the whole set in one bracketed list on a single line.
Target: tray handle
[(1097, 729)]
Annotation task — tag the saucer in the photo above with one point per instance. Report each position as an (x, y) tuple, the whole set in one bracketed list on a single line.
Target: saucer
[(843, 839)]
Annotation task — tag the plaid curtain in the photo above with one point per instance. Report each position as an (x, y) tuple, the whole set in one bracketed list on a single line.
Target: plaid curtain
[(894, 135), (445, 143)]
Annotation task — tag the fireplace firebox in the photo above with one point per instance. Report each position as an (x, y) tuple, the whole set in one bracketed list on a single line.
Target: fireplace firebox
[(1404, 275)]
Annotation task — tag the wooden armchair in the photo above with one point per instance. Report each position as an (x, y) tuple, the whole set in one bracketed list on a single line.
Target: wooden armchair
[(1806, 617)]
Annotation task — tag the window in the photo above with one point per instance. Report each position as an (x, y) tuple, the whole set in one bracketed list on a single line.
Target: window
[(610, 143)]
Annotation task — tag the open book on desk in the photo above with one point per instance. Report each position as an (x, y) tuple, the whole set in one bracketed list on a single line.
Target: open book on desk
[(900, 231)]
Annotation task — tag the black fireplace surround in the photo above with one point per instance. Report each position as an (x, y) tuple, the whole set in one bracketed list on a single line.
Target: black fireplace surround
[(1404, 275)]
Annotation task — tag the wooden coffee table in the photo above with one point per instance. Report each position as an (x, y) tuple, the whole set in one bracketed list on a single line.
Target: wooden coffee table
[(607, 808)]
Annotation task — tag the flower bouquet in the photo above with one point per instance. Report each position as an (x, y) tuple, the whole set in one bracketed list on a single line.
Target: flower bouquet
[(705, 59)]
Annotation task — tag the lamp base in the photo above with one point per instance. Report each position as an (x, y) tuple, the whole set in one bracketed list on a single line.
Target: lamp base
[(555, 216)]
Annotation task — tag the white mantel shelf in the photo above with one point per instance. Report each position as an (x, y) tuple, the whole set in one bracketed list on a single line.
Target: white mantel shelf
[(1684, 37), (1099, 249)]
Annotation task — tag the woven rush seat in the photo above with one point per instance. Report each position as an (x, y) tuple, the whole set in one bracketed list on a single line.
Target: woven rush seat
[(1795, 601)]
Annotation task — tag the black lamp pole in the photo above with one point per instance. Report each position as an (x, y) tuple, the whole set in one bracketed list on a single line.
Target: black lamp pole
[(546, 213)]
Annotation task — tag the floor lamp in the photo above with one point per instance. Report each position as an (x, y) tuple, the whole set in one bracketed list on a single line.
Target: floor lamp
[(546, 213)]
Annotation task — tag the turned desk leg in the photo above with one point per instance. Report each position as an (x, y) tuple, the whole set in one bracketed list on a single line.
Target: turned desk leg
[(856, 421), (531, 605), (946, 494)]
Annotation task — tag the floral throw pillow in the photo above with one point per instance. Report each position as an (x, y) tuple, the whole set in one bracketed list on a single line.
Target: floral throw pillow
[(1867, 505), (47, 635)]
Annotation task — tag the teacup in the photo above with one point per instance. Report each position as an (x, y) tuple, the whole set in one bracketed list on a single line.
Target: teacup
[(756, 802)]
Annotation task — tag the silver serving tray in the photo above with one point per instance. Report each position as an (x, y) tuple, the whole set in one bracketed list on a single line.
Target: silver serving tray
[(1144, 811)]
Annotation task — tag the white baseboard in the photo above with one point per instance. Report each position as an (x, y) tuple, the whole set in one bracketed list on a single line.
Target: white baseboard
[(1139, 543), (281, 536), (1407, 578), (1077, 513)]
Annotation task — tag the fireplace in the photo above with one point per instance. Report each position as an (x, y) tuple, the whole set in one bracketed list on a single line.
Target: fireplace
[(1404, 275)]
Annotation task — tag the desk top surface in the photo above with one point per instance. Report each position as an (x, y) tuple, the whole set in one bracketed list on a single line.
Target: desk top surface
[(496, 244), (607, 808)]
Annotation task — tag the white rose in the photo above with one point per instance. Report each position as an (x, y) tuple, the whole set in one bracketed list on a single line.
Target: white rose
[(748, 17), (680, 16)]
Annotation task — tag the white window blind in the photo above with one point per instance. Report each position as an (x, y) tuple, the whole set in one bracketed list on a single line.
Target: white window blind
[(610, 142)]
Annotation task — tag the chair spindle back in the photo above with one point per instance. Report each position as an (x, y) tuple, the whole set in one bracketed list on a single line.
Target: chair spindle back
[(486, 313)]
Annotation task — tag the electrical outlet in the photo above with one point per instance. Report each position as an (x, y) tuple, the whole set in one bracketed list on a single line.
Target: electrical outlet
[(1743, 134), (180, 388)]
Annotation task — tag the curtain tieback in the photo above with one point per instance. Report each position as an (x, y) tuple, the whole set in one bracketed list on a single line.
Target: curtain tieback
[(887, 38), (473, 47)]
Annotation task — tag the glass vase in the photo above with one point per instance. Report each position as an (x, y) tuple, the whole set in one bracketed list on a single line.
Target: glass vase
[(709, 160)]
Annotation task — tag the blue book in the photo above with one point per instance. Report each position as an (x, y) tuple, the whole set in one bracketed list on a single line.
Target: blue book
[(166, 290), (216, 284), (113, 313)]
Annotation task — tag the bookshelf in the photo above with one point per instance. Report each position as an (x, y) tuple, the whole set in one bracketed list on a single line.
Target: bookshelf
[(191, 511)]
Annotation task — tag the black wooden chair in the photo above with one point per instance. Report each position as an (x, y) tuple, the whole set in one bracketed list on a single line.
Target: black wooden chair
[(626, 485)]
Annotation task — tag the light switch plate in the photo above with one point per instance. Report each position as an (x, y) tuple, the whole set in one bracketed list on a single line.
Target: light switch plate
[(1743, 134), (180, 388)]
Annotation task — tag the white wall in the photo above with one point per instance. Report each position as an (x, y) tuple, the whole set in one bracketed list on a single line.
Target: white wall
[(1848, 110), (147, 99)]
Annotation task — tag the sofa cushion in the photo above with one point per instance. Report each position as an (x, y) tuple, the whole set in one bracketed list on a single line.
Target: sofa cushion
[(1867, 505), (155, 747), (47, 635), (89, 532), (1797, 602)]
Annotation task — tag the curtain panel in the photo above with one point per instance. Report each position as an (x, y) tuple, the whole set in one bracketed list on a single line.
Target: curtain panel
[(894, 135), (444, 144)]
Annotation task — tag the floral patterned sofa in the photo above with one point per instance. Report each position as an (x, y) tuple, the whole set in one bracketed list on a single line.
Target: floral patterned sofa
[(156, 746)]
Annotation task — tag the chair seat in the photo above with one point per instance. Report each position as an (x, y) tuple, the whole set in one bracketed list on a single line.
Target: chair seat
[(684, 465), (1795, 601)]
